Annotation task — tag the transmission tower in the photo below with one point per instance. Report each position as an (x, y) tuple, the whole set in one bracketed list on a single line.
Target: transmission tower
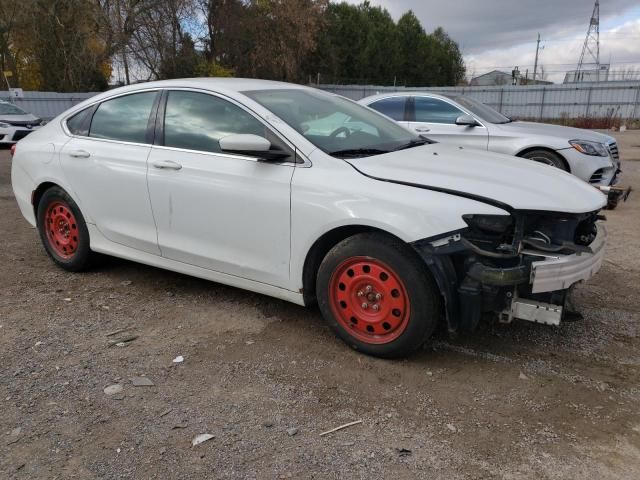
[(591, 47)]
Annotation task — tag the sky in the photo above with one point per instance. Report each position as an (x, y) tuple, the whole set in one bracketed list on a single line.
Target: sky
[(500, 34)]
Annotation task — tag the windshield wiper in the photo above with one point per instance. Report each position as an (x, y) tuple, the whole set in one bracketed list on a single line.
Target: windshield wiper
[(358, 152), (414, 143)]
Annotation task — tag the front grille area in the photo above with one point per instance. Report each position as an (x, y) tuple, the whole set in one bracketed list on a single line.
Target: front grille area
[(613, 148), (20, 134), (597, 176)]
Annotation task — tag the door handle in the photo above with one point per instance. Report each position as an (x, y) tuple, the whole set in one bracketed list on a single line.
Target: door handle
[(167, 165), (79, 154), (422, 129)]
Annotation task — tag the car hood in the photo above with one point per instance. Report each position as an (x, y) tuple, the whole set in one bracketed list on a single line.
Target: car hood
[(518, 183), (21, 118), (557, 131)]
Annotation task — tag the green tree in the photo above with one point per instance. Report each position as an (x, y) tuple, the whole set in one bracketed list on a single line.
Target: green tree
[(414, 50), (362, 44)]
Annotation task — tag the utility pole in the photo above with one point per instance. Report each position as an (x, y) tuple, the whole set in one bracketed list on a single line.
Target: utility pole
[(535, 65)]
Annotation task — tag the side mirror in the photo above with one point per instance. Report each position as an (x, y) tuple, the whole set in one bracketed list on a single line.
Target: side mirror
[(249, 144), (467, 121)]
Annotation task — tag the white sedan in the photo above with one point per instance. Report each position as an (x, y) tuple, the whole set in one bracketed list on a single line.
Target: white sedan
[(15, 123), (260, 185)]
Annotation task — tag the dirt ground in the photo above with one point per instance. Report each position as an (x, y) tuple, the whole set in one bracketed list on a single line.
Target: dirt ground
[(265, 378)]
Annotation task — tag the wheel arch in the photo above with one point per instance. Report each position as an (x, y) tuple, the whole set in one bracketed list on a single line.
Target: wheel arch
[(37, 194), (324, 244), (524, 151), (321, 247)]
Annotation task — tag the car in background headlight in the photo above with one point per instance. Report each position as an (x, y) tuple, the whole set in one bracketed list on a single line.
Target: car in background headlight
[(594, 149)]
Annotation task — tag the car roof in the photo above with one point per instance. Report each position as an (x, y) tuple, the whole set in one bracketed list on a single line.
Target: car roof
[(226, 83), (380, 96), (223, 85), (217, 84)]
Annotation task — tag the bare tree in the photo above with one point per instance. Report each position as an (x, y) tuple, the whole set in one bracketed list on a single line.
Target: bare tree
[(282, 34)]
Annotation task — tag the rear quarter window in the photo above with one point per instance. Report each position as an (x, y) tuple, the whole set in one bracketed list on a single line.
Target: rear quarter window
[(77, 124)]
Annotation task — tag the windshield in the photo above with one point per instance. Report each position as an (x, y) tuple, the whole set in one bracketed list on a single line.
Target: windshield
[(481, 110), (334, 124), (10, 109)]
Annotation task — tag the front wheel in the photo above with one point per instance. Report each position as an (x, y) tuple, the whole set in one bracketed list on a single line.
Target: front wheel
[(378, 296), (546, 157)]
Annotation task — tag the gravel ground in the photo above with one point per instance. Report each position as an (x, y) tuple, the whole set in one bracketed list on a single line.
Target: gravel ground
[(265, 378)]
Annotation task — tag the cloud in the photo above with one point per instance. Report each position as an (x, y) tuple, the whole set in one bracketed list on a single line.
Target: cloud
[(620, 46)]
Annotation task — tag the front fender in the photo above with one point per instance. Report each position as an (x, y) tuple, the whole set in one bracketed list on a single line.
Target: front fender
[(328, 196)]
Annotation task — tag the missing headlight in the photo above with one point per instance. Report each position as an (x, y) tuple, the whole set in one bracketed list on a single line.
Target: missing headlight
[(489, 223)]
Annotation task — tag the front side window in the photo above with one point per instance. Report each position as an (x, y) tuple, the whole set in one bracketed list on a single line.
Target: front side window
[(123, 118), (334, 124), (434, 110), (485, 112), (197, 121), (391, 107)]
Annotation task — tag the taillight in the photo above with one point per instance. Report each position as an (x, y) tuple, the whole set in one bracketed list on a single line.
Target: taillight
[(13, 149)]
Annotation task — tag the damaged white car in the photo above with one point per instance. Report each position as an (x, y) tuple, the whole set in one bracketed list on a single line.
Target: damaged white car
[(264, 186)]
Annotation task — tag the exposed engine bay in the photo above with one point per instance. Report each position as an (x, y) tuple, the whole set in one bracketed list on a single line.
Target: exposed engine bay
[(493, 265)]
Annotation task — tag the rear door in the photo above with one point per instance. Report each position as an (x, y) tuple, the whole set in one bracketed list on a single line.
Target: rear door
[(436, 119), (105, 163), (394, 108)]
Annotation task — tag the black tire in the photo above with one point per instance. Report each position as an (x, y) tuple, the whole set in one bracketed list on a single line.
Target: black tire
[(546, 157), (612, 204), (423, 301), (79, 256)]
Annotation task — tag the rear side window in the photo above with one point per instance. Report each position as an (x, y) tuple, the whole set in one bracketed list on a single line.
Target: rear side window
[(78, 124), (197, 121), (123, 118), (434, 110), (391, 107)]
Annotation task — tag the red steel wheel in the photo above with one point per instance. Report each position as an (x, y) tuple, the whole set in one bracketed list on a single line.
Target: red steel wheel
[(369, 300), (61, 229)]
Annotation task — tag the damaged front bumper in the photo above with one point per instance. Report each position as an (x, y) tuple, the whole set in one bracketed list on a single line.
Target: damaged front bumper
[(559, 272), (533, 288)]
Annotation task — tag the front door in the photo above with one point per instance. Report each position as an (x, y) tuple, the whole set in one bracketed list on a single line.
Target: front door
[(227, 213), (436, 119)]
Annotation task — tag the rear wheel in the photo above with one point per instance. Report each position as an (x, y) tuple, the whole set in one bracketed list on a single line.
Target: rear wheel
[(63, 231), (378, 296), (547, 157)]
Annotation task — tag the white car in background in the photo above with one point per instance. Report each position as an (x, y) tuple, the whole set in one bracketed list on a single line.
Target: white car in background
[(15, 123), (262, 186), (462, 120)]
